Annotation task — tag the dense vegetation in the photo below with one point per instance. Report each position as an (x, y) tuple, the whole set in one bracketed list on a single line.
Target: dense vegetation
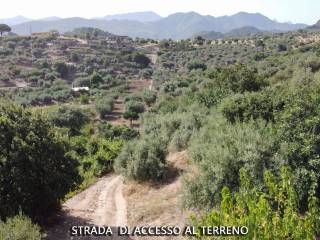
[(36, 169), (231, 115), (272, 214)]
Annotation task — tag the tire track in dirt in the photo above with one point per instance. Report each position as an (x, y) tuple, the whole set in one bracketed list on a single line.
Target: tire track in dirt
[(101, 204)]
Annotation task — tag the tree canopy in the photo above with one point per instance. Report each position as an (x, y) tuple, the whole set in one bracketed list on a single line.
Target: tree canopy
[(4, 28), (36, 169)]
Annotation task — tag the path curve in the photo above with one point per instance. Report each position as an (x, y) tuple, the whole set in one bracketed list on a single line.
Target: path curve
[(101, 204)]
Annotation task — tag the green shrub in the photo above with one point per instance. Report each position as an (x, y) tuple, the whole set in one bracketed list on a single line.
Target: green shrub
[(220, 149), (299, 138), (238, 79), (61, 68), (102, 154), (143, 160), (110, 131), (36, 169), (19, 228), (134, 106), (84, 99), (248, 106), (196, 65), (104, 106), (96, 79), (273, 214), (130, 116), (69, 117), (141, 59), (149, 97)]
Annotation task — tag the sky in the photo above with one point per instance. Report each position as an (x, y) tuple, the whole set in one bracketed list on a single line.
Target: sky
[(296, 11)]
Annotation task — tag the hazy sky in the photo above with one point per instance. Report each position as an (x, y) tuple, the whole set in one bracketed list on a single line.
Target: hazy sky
[(305, 11)]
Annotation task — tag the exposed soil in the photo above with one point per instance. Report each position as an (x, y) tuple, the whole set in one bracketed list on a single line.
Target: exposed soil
[(102, 204), (159, 205)]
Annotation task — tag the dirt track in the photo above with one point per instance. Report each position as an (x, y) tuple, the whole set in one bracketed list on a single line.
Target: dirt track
[(101, 204)]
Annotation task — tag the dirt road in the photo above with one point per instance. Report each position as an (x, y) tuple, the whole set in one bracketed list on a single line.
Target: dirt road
[(101, 204)]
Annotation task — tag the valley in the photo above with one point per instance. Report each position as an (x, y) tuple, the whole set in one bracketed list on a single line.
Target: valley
[(108, 130)]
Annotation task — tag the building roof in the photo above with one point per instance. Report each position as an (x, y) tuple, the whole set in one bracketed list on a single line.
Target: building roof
[(77, 89)]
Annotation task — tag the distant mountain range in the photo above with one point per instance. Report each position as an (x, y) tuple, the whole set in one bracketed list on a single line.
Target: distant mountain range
[(14, 20), (315, 26), (136, 16), (151, 25)]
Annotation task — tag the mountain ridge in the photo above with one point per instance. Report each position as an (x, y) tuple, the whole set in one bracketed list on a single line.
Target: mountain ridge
[(146, 16), (315, 26), (175, 26)]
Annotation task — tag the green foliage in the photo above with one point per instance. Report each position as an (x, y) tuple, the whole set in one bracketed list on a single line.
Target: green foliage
[(110, 131), (36, 170), (238, 79), (19, 228), (84, 99), (4, 28), (95, 154), (143, 160), (69, 117), (166, 105), (149, 97), (141, 59), (104, 106), (220, 149), (282, 47), (272, 214), (130, 115), (248, 106), (299, 129), (61, 68), (96, 79), (196, 65), (134, 106)]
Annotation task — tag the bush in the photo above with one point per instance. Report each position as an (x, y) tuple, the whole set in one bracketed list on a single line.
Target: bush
[(238, 79), (299, 138), (71, 118), (134, 106), (82, 82), (282, 47), (149, 97), (110, 131), (102, 154), (18, 228), (220, 150), (143, 160), (104, 106), (250, 106), (273, 214), (61, 68), (130, 116), (36, 169), (84, 99), (196, 65), (96, 79), (141, 59)]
